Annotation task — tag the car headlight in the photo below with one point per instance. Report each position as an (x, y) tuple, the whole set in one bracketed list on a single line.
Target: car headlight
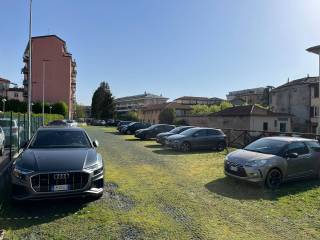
[(20, 173), (256, 163)]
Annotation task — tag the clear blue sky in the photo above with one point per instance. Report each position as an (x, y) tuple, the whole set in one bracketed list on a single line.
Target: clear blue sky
[(169, 47)]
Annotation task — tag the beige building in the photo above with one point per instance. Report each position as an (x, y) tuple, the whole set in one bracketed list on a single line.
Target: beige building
[(150, 113), (251, 96), (4, 86), (300, 98), (15, 94), (189, 100), (250, 117), (136, 102)]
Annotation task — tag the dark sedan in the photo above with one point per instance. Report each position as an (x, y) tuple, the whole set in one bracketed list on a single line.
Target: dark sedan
[(198, 138), (58, 162), (133, 127), (153, 131), (161, 137), (122, 123)]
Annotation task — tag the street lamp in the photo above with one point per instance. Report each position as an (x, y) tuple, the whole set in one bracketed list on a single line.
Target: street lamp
[(4, 105), (50, 109), (316, 50), (30, 70), (44, 61)]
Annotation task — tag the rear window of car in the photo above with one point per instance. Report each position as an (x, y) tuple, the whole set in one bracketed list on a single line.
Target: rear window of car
[(6, 123), (60, 139), (315, 146)]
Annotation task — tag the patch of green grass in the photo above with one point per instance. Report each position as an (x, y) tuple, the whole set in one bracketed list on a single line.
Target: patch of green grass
[(163, 194)]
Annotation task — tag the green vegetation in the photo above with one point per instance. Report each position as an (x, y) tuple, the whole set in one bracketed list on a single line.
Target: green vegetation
[(156, 193), (102, 106), (205, 109), (167, 116), (129, 116)]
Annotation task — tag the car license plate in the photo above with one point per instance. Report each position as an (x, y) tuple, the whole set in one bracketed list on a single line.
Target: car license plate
[(58, 188), (233, 168)]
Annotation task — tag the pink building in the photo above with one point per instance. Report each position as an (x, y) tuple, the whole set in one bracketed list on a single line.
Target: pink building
[(53, 68)]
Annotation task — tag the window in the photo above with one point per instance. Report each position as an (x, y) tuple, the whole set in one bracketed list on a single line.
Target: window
[(201, 133), (316, 91), (275, 123), (265, 126), (315, 146), (298, 147), (211, 132), (283, 127)]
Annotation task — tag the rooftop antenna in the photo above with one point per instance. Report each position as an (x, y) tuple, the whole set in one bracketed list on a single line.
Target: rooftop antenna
[(288, 80)]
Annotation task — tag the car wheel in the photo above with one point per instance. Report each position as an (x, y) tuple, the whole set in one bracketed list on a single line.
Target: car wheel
[(221, 146), (129, 132), (274, 179), (185, 147)]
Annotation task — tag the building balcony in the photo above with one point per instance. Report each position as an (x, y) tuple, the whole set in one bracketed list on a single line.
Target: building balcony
[(25, 70)]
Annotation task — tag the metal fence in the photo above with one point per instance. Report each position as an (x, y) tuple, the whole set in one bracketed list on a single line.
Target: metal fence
[(240, 138)]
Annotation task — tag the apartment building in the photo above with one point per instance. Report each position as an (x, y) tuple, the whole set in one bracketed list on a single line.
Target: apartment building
[(53, 71), (151, 113), (191, 100), (133, 103), (300, 98), (251, 96), (4, 86)]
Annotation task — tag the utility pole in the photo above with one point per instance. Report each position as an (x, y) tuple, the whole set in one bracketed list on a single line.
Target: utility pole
[(44, 61), (30, 70)]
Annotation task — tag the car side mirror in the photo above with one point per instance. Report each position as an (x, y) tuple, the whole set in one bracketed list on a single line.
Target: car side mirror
[(292, 155), (95, 143)]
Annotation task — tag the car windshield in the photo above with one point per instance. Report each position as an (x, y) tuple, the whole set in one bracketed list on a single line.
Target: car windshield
[(267, 146), (60, 139), (190, 131), (5, 123)]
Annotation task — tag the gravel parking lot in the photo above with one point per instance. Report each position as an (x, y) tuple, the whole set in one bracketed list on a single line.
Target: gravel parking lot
[(157, 193)]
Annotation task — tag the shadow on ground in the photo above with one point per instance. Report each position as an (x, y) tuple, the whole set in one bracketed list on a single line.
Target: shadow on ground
[(169, 151), (241, 190), (154, 146)]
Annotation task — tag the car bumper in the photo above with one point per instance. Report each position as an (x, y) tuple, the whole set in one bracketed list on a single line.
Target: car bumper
[(249, 174), (22, 190)]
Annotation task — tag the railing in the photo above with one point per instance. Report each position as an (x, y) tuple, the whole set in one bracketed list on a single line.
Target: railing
[(242, 137)]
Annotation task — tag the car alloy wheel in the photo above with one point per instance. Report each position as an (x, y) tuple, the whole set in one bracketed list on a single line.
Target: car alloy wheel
[(221, 146), (274, 179), (185, 147)]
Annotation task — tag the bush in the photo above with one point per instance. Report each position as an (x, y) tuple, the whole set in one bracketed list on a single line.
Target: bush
[(181, 122), (60, 108), (130, 116)]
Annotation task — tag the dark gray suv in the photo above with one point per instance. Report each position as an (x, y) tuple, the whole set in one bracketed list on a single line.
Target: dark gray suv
[(153, 131), (198, 138), (58, 162)]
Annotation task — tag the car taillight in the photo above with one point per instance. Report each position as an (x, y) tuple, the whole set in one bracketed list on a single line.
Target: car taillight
[(14, 130)]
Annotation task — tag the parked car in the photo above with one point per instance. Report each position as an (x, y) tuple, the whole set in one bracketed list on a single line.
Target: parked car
[(122, 123), (71, 123), (133, 127), (5, 125), (98, 122), (2, 141), (58, 162), (161, 137), (153, 131), (58, 123), (274, 160), (197, 138)]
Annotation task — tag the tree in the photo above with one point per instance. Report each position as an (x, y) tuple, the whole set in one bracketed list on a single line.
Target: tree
[(80, 111), (130, 116), (205, 109), (60, 108), (167, 116), (102, 105)]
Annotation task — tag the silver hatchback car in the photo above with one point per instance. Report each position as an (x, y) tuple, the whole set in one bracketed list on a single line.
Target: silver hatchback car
[(273, 160)]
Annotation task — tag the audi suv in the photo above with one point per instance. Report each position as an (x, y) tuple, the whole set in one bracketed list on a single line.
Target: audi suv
[(58, 162)]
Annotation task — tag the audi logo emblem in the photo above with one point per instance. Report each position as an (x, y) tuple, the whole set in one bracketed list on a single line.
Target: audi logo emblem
[(61, 176)]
